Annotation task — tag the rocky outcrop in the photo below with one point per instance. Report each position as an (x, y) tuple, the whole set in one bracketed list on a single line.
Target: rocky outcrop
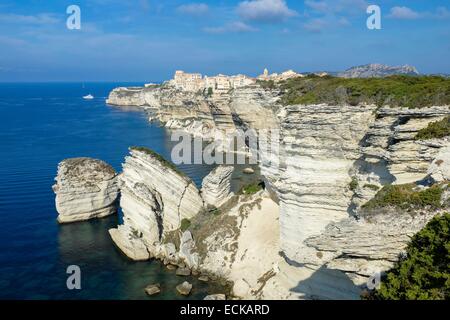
[(153, 289), (361, 248), (391, 139), (186, 253), (216, 186), (439, 169), (390, 152), (378, 71), (155, 198), (184, 288), (85, 189)]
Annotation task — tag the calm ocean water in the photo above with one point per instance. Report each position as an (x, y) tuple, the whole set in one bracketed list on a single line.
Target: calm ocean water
[(43, 124)]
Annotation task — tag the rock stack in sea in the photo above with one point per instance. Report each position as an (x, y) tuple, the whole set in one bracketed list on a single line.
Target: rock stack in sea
[(155, 199), (216, 186), (85, 189)]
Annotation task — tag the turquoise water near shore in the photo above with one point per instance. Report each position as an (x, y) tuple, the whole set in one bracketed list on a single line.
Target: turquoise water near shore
[(43, 124)]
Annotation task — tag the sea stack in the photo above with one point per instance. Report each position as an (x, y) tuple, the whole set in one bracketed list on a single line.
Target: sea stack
[(85, 189)]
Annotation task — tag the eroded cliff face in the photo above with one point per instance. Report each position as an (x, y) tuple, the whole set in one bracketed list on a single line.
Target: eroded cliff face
[(325, 149), (335, 159), (324, 162), (391, 138), (155, 198), (201, 115), (319, 145), (367, 246)]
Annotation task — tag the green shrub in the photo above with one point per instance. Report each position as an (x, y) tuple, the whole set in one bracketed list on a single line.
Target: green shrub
[(252, 188), (161, 159), (372, 187), (395, 91), (269, 84), (185, 224), (439, 129), (213, 210), (404, 197), (354, 184), (425, 272)]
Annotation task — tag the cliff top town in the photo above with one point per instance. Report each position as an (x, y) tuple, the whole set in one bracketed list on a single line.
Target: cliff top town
[(193, 82), (223, 83)]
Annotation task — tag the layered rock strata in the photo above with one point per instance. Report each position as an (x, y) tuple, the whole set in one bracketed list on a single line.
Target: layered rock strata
[(216, 186), (320, 164), (391, 138), (319, 145), (210, 117), (155, 198), (390, 153), (85, 189)]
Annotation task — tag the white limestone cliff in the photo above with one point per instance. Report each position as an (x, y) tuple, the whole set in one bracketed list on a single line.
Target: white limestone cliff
[(319, 145), (362, 248), (155, 198), (85, 189), (216, 186), (323, 164), (213, 117)]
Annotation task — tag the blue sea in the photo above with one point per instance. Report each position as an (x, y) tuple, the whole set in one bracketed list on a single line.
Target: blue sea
[(42, 124)]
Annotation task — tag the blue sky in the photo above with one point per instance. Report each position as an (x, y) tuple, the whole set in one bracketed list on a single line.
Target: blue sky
[(146, 40)]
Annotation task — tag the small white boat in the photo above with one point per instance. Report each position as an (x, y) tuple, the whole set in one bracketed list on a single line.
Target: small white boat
[(88, 97)]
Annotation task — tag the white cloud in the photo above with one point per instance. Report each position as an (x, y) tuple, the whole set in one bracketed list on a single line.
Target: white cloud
[(265, 10), (40, 19), (337, 6), (403, 13), (332, 13), (320, 6), (193, 9), (316, 25), (233, 27)]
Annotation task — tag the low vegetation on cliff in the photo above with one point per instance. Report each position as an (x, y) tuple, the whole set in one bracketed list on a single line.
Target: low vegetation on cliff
[(252, 188), (160, 158), (435, 130), (185, 224), (395, 91), (424, 273), (406, 197)]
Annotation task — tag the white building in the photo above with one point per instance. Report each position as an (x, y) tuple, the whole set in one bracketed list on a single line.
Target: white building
[(279, 77), (188, 81), (241, 81), (219, 83)]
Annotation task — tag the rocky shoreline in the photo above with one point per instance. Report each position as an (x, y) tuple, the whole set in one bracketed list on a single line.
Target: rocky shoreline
[(305, 235)]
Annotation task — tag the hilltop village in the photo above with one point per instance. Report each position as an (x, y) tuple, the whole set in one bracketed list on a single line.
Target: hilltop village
[(222, 83)]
